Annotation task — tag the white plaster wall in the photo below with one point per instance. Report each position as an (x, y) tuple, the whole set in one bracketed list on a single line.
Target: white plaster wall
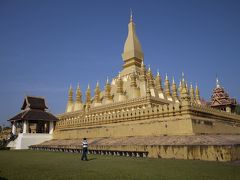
[(24, 140)]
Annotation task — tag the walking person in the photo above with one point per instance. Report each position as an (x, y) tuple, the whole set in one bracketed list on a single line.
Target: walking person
[(84, 149)]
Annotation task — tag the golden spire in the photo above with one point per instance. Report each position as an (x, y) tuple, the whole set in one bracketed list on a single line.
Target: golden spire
[(119, 85), (132, 47), (78, 104), (88, 95), (198, 100), (149, 68), (78, 94), (107, 94), (70, 107), (143, 72), (167, 88), (131, 15), (174, 90), (187, 87), (192, 94), (158, 83), (70, 94), (180, 87), (185, 99), (97, 93), (150, 78), (183, 76), (183, 83)]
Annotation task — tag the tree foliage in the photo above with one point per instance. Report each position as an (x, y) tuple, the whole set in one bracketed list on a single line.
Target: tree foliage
[(237, 109)]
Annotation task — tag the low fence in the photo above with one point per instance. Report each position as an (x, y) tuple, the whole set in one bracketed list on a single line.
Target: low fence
[(92, 151)]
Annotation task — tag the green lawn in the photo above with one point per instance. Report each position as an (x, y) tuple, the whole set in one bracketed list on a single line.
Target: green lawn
[(29, 164)]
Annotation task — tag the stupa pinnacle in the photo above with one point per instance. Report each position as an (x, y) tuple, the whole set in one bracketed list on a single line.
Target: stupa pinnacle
[(132, 54)]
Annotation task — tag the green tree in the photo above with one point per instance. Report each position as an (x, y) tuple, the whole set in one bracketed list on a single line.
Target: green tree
[(237, 109)]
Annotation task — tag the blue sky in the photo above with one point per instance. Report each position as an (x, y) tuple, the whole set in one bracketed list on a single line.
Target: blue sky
[(47, 45)]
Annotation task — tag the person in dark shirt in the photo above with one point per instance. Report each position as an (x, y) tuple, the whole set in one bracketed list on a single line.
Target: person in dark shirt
[(84, 149)]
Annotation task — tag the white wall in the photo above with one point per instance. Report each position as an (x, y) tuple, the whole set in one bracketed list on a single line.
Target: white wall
[(27, 139)]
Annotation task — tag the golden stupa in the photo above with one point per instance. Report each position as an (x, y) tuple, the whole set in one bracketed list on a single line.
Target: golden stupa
[(134, 113)]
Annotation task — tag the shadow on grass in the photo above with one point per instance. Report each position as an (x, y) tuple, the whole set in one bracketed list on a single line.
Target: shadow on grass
[(90, 159), (3, 178)]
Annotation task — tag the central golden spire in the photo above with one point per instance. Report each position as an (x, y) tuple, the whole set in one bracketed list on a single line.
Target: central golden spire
[(132, 53), (131, 15)]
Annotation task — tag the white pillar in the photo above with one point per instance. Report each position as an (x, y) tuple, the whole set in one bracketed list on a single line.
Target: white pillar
[(51, 127), (25, 126), (14, 128), (228, 109)]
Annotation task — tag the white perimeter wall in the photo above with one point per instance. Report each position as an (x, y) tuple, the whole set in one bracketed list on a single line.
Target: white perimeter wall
[(27, 139)]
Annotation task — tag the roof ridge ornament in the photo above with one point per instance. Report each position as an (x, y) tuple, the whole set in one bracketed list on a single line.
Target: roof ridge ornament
[(217, 83)]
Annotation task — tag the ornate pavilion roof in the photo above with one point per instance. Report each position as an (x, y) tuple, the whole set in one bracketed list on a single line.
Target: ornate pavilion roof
[(34, 110), (220, 97), (34, 103), (34, 115)]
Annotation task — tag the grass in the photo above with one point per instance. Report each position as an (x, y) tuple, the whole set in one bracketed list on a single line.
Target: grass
[(29, 164)]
